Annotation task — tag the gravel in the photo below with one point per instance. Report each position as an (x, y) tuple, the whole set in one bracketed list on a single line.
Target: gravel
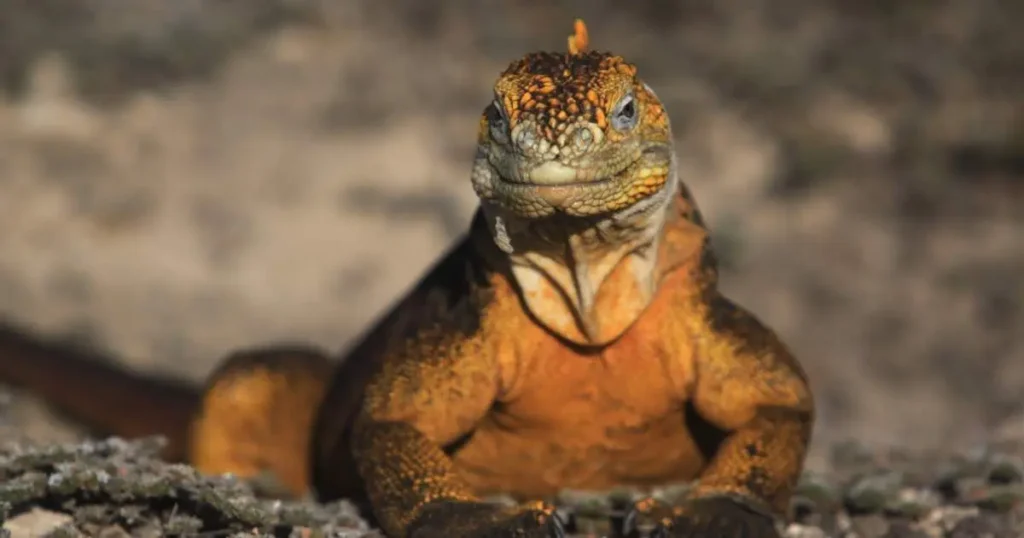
[(114, 487)]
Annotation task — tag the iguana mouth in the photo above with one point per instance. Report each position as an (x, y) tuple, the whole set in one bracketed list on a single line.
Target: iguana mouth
[(541, 183), (559, 196), (592, 188), (553, 174), (558, 185)]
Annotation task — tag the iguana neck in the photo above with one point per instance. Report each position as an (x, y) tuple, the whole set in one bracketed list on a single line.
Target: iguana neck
[(589, 281)]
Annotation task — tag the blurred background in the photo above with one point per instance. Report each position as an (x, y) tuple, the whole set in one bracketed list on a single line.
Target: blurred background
[(179, 178)]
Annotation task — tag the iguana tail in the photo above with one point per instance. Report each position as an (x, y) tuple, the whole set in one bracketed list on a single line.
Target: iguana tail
[(93, 390), (253, 416)]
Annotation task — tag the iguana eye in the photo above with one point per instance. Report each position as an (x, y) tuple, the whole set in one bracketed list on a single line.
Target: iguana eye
[(624, 116), (498, 121)]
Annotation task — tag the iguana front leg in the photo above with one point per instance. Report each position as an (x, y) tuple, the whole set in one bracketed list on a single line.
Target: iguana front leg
[(751, 393), (416, 493), (424, 399)]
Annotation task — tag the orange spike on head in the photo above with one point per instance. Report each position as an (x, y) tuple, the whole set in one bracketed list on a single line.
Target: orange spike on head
[(579, 41)]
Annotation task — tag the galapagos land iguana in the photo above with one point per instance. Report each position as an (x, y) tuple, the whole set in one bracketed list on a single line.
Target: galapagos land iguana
[(574, 338)]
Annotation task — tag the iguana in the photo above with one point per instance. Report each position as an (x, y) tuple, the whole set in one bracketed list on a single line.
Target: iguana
[(575, 337)]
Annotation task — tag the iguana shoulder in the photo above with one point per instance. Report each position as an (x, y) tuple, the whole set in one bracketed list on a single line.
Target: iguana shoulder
[(447, 308)]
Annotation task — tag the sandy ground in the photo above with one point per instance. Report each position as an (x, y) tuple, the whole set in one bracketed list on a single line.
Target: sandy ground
[(179, 180)]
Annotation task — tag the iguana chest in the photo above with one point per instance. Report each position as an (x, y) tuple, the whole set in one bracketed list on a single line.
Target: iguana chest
[(569, 419)]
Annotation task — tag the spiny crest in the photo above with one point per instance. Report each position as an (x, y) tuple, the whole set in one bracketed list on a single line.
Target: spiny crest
[(579, 41), (558, 89)]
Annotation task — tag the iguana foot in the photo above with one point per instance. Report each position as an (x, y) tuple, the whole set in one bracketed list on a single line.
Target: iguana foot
[(459, 519), (717, 517)]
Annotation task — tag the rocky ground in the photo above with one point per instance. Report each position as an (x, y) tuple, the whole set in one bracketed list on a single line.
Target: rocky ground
[(178, 179), (114, 488)]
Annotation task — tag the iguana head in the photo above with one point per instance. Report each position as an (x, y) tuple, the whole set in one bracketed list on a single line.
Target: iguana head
[(575, 133), (576, 177)]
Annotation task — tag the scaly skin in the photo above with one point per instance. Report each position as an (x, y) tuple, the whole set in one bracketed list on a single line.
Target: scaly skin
[(575, 338)]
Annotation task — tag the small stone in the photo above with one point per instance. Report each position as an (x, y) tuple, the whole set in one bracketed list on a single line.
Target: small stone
[(816, 490), (803, 510), (796, 530), (872, 493), (981, 527), (903, 529), (963, 488), (999, 498), (113, 531), (815, 502), (944, 518), (869, 526), (67, 530), (36, 522), (1006, 470), (913, 503)]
